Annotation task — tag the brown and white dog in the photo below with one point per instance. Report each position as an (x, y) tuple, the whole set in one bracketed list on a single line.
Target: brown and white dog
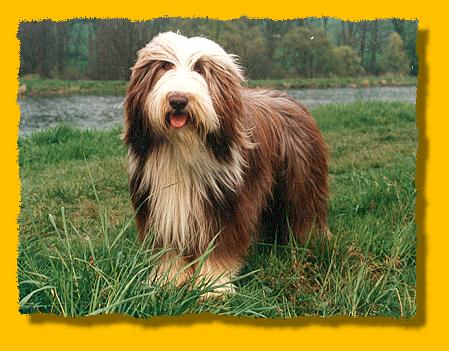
[(209, 158)]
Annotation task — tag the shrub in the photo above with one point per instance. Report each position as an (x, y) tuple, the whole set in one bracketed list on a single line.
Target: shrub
[(347, 63), (393, 58), (306, 52)]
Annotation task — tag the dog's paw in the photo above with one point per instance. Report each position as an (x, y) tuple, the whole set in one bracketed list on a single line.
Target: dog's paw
[(220, 292)]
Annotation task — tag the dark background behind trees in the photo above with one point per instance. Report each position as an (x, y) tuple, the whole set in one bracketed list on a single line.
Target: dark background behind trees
[(301, 48)]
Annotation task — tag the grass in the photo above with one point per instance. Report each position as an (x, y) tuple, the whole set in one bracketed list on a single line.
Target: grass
[(78, 252), (36, 86), (48, 87), (336, 82)]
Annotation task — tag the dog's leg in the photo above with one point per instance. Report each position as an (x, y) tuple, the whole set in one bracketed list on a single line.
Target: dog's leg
[(172, 269), (306, 198), (219, 271)]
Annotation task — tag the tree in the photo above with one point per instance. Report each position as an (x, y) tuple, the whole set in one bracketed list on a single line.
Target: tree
[(112, 49), (362, 27), (394, 59), (410, 45), (348, 33), (374, 48), (346, 62), (106, 49), (305, 52), (249, 44), (43, 50)]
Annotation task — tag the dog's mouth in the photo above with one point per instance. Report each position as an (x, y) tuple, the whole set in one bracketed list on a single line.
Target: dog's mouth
[(177, 119)]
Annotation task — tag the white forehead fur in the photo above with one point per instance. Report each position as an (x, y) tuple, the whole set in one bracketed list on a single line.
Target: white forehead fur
[(184, 52)]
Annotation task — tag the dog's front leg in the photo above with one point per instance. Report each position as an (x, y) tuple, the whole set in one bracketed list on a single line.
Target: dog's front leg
[(172, 268), (219, 271)]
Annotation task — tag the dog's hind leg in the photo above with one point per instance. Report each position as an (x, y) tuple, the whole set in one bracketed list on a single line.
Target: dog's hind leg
[(306, 190)]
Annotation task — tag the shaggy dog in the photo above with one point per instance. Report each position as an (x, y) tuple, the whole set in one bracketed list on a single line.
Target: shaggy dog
[(210, 160)]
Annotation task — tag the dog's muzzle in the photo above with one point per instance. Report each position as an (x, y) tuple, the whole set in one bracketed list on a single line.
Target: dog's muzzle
[(178, 117), (178, 101)]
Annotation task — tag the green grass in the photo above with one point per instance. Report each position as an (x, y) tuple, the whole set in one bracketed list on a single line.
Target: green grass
[(48, 87), (337, 82), (36, 86), (78, 252)]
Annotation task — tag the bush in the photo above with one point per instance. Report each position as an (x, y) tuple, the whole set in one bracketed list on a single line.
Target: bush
[(393, 58), (73, 72), (249, 45), (347, 63), (305, 52)]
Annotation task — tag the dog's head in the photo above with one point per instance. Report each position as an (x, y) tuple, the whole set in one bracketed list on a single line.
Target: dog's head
[(182, 88)]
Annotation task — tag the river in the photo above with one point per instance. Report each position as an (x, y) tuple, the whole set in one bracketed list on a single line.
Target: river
[(103, 112)]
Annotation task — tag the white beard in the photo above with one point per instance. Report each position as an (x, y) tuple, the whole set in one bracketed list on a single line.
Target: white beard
[(181, 174)]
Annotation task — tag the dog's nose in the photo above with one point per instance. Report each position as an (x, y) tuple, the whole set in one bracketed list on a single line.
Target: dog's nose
[(178, 101)]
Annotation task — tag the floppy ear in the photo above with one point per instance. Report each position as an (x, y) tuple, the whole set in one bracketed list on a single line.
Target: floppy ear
[(226, 93), (225, 89), (138, 133)]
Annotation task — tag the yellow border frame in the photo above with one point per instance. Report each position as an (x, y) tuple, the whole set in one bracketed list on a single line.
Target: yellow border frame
[(192, 332)]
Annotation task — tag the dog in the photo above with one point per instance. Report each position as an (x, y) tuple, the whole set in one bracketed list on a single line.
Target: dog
[(211, 161)]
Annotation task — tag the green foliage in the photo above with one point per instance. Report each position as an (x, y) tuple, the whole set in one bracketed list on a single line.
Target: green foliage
[(346, 62), (113, 49), (250, 46), (305, 52), (394, 58), (78, 252), (45, 47), (105, 49)]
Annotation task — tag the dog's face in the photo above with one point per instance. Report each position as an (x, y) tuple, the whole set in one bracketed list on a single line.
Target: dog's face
[(183, 88)]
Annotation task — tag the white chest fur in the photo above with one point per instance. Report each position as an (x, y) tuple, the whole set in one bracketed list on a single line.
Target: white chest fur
[(181, 176)]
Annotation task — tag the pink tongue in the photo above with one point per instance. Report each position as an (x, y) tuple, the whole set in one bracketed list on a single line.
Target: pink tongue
[(178, 120)]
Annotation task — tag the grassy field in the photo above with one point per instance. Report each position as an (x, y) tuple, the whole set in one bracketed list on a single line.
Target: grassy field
[(338, 82), (48, 87), (35, 86), (78, 254)]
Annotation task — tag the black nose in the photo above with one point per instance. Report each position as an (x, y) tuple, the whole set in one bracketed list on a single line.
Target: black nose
[(178, 101)]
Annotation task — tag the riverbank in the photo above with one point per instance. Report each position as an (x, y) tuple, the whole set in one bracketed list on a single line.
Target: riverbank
[(49, 87), (76, 225)]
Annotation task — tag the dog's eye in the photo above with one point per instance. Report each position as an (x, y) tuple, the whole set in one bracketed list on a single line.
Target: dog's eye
[(198, 68), (167, 65)]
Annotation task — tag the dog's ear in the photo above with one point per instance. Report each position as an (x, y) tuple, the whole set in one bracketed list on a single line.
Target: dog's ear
[(225, 90), (138, 134)]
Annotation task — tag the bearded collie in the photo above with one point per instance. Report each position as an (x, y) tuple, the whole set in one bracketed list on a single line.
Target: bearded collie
[(210, 160)]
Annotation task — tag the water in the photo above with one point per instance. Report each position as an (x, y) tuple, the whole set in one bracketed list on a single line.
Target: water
[(85, 112), (103, 112)]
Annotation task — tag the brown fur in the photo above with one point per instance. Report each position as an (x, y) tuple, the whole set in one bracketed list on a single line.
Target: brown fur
[(284, 167)]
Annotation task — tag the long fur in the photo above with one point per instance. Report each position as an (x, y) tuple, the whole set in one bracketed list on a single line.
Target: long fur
[(247, 161)]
